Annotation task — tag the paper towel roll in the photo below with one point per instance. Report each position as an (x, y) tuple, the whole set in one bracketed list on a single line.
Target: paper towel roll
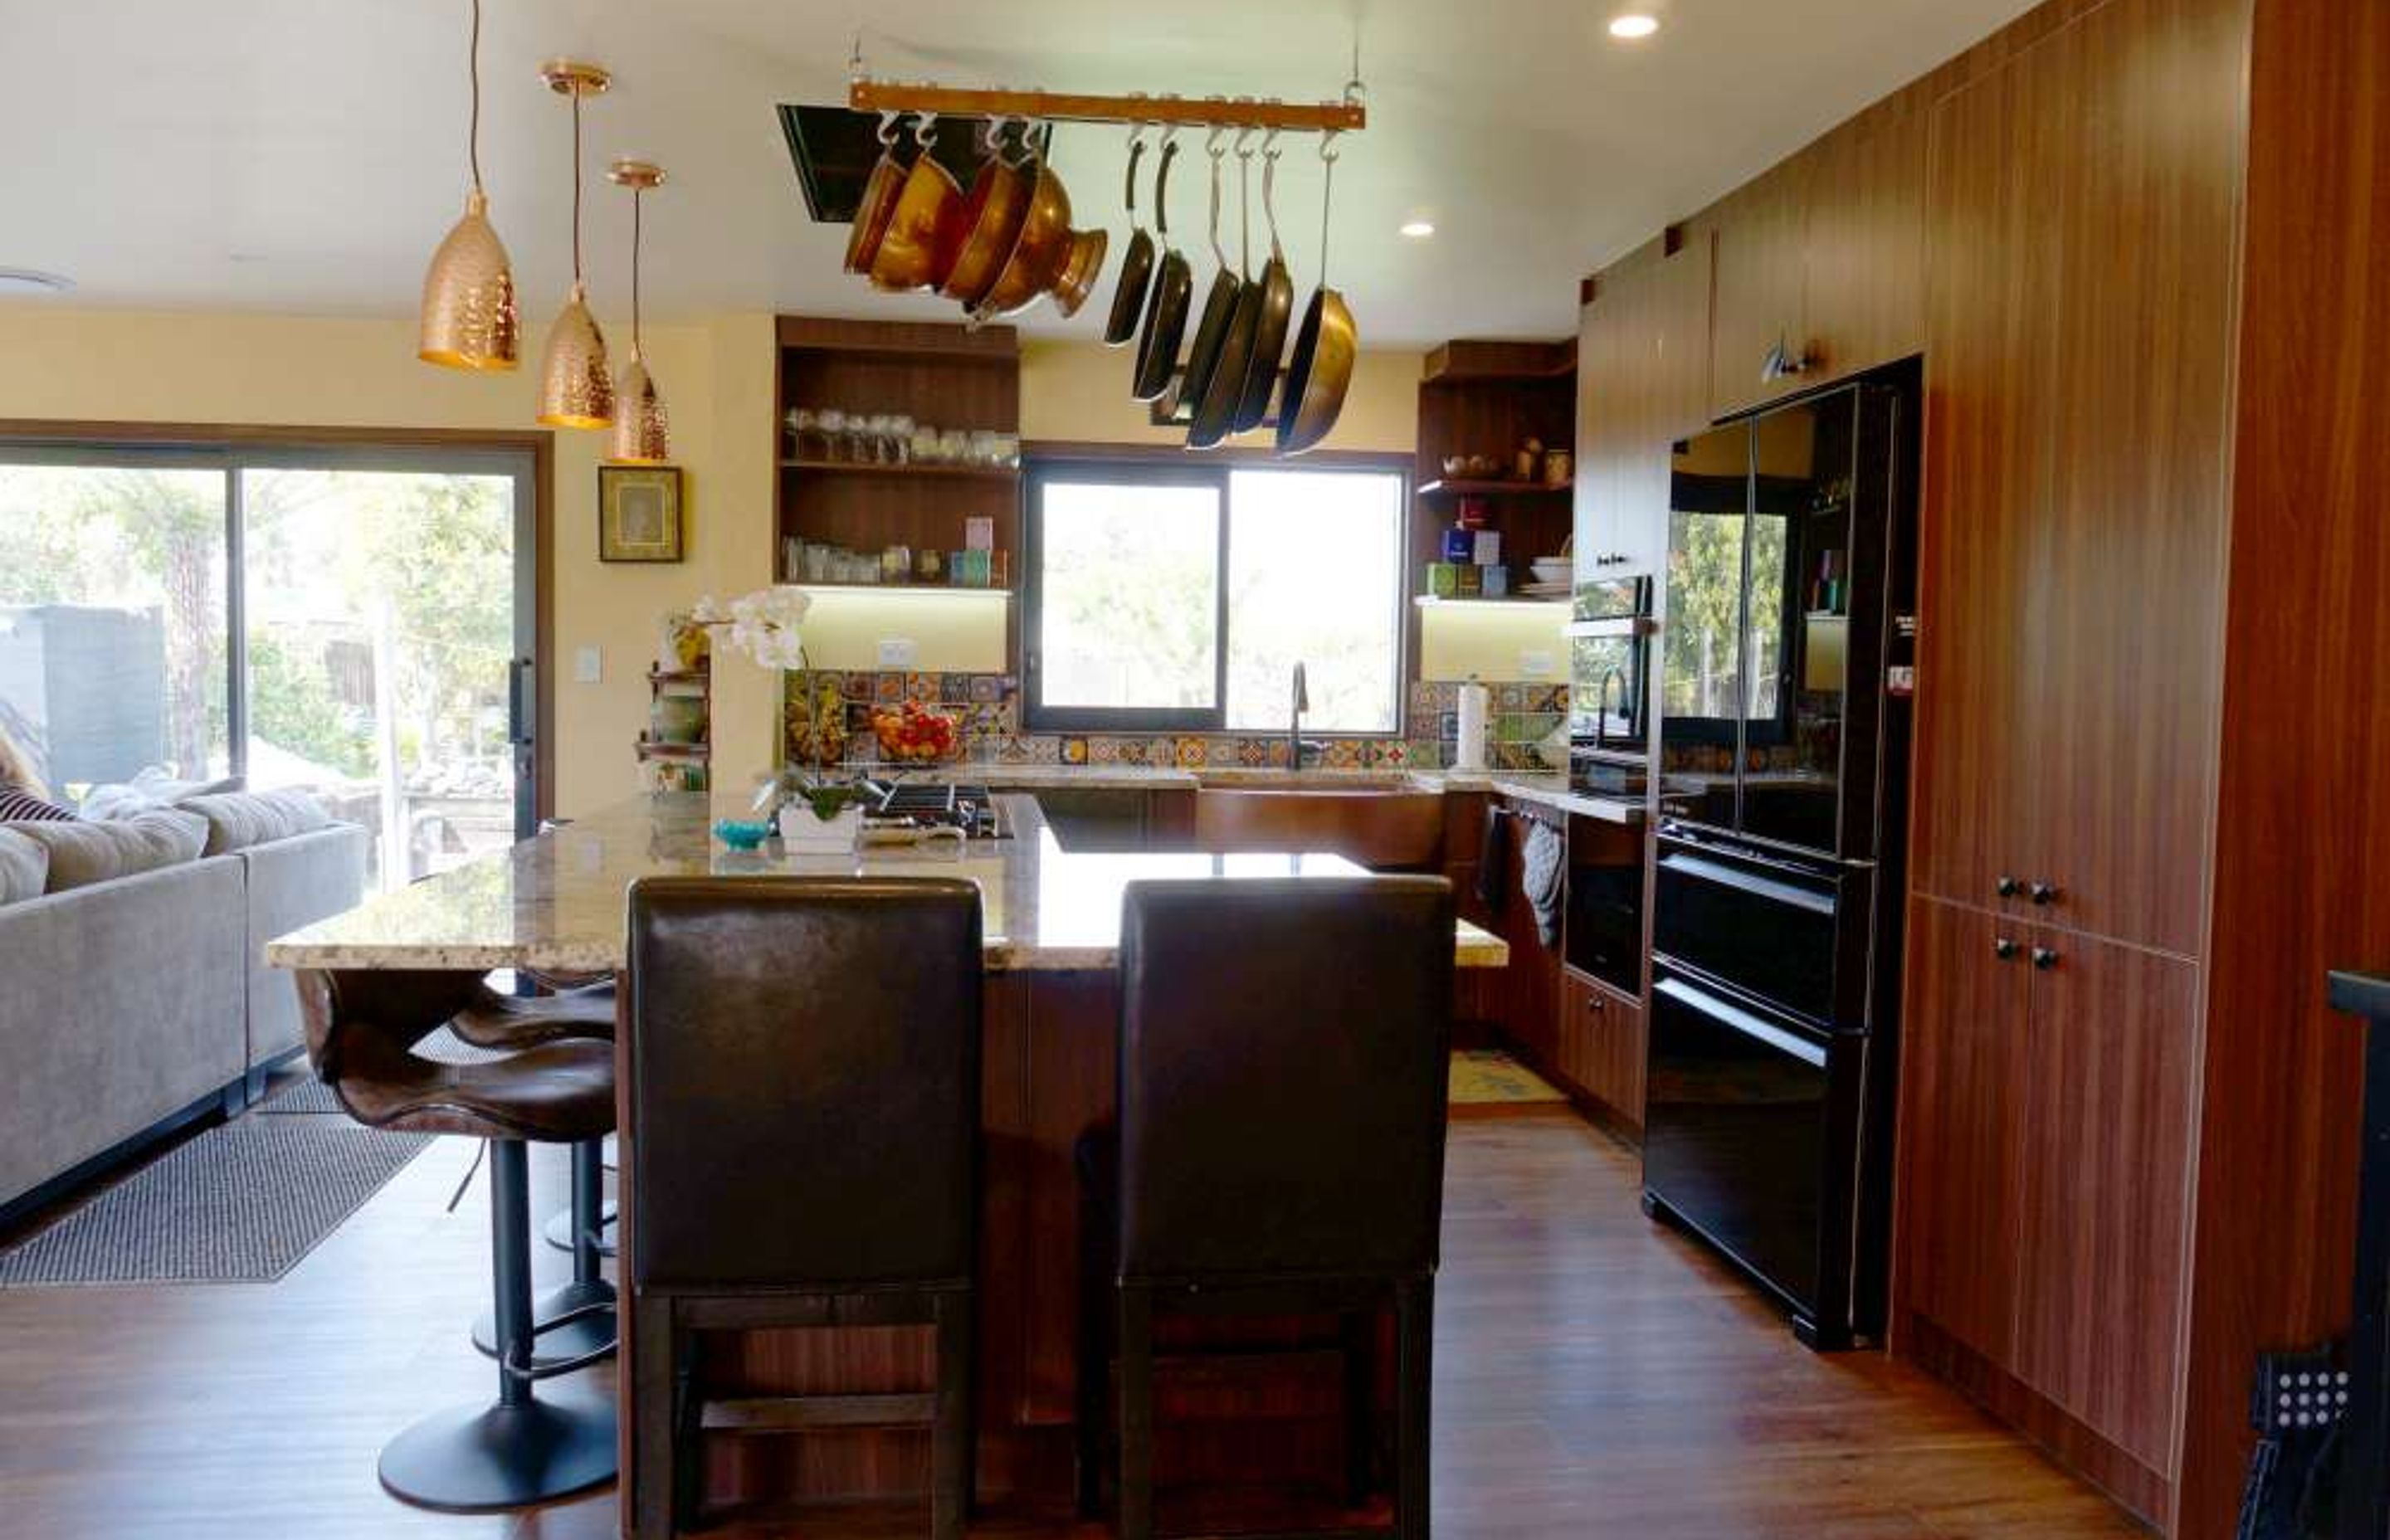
[(1469, 750)]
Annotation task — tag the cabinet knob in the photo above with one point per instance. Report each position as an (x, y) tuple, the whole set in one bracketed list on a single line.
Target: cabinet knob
[(2044, 893), (2004, 949), (2044, 958), (2008, 887)]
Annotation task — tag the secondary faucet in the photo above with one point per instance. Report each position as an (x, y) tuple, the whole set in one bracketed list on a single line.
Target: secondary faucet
[(1601, 707), (1294, 721)]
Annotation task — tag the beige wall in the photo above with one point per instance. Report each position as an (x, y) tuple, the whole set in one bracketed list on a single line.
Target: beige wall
[(717, 375)]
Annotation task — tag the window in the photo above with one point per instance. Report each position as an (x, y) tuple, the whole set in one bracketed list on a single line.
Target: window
[(1166, 596)]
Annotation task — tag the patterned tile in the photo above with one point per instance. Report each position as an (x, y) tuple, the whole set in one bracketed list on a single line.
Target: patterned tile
[(1044, 749), (1188, 753), (855, 684), (921, 686), (1129, 750), (954, 688), (986, 686), (1425, 755), (1342, 753), (1252, 753), (1075, 751), (1392, 752), (888, 687), (1510, 697), (1448, 725), (1103, 750)]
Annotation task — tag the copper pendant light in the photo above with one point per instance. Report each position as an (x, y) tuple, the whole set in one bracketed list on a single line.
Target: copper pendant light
[(469, 318), (642, 432), (576, 386)]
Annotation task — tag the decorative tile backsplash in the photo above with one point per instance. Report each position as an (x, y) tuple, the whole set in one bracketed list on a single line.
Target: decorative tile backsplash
[(987, 708)]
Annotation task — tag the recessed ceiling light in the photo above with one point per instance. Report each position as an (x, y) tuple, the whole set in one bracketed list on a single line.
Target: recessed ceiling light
[(25, 280), (1417, 229), (1634, 24)]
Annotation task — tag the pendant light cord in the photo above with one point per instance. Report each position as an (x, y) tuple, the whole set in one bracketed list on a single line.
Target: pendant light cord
[(473, 72), (639, 197), (576, 186)]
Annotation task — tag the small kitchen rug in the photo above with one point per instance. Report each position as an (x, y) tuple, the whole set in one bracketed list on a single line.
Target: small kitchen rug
[(1487, 1083), (240, 1203)]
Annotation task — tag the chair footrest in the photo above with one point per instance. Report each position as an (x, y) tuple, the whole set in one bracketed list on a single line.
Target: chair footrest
[(792, 1414)]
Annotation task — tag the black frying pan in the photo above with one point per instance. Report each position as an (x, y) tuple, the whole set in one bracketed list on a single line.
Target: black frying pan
[(1165, 303), (1277, 303), (1219, 309), (1136, 266)]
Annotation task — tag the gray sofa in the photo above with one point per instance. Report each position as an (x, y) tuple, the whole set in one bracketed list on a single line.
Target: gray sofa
[(131, 1006)]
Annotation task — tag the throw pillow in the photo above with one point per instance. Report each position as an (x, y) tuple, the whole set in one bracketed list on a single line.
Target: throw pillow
[(239, 820), (16, 802), (81, 853), (23, 864)]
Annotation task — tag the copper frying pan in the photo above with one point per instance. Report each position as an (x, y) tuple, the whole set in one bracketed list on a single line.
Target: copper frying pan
[(1321, 369), (1219, 303)]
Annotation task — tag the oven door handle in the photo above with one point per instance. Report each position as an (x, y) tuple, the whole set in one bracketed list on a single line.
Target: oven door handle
[(1742, 1020), (1702, 869)]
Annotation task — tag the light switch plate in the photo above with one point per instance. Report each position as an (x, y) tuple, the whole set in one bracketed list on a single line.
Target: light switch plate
[(897, 652), (588, 666), (1535, 665)]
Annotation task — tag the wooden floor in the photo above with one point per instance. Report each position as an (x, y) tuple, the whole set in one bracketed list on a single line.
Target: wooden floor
[(1594, 1376)]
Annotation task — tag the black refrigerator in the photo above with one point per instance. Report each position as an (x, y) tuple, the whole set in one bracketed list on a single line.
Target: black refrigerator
[(1787, 647)]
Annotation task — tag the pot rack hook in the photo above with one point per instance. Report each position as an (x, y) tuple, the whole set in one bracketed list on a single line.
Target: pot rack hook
[(1328, 154), (1270, 152), (1355, 93), (1217, 154), (925, 131), (888, 131), (1245, 203)]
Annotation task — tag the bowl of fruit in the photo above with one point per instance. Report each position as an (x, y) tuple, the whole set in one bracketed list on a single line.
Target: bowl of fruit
[(913, 734)]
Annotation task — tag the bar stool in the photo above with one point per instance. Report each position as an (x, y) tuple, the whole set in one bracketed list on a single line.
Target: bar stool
[(362, 1029), (573, 1322), (1284, 1052), (800, 1149)]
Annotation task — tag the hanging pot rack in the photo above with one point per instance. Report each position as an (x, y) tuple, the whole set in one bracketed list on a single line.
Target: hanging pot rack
[(1348, 115)]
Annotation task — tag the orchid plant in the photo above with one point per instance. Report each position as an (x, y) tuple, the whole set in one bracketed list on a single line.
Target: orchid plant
[(767, 625)]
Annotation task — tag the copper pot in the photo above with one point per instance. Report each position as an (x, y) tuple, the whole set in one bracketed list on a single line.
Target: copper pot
[(926, 228), (1318, 374), (879, 201), (999, 201), (1079, 274), (1039, 253)]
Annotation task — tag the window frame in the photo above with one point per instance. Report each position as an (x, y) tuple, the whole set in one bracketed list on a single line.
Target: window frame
[(1044, 463)]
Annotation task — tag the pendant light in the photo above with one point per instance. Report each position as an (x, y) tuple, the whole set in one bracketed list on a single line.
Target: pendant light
[(642, 432), (469, 318), (576, 388)]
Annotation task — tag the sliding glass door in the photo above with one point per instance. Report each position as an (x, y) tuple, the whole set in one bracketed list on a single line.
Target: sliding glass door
[(358, 622)]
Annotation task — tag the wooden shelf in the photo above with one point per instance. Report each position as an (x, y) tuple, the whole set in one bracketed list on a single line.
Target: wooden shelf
[(950, 472), (696, 753), (1462, 486), (678, 677), (1490, 598), (901, 588)]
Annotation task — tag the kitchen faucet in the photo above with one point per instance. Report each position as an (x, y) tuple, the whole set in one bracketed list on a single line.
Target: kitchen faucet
[(1294, 743), (1601, 707)]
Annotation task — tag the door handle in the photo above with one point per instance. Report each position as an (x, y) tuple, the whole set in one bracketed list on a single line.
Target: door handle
[(2045, 958), (2044, 893), (2004, 949), (518, 702), (2008, 887)]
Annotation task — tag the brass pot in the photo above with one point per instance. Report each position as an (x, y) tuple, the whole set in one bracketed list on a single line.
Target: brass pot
[(926, 228), (1039, 253), (999, 201), (871, 215), (1079, 274)]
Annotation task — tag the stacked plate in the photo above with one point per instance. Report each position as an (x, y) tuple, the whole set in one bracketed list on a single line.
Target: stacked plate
[(1553, 577)]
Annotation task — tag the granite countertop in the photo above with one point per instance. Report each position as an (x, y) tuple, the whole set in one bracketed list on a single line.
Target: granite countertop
[(557, 902), (1549, 787)]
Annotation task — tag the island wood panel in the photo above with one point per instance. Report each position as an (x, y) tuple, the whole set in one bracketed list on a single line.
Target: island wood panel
[(1962, 1091), (2126, 566), (1996, 264), (2299, 878), (2105, 1193)]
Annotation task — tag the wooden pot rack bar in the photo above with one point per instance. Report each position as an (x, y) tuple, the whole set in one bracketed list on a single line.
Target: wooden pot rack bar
[(1336, 117)]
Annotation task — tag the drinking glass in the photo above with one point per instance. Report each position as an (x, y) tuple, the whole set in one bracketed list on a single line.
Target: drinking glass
[(832, 423)]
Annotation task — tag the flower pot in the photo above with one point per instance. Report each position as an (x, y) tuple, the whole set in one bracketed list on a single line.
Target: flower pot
[(804, 834)]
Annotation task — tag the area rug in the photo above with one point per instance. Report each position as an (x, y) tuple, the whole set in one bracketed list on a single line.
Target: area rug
[(1487, 1083), (240, 1203)]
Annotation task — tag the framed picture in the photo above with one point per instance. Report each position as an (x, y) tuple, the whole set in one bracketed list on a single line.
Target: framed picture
[(638, 513)]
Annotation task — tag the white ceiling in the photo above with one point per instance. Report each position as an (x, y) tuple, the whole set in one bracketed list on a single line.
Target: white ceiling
[(306, 155)]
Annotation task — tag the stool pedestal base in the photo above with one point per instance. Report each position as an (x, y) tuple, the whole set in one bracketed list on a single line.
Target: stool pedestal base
[(471, 1459)]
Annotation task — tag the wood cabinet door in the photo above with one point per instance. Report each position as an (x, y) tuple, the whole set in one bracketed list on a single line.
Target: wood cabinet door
[(1980, 580), (1531, 982), (1963, 1047), (1760, 230), (1677, 323), (1601, 1047), (2105, 1191), (2126, 652), (1864, 298), (1604, 425)]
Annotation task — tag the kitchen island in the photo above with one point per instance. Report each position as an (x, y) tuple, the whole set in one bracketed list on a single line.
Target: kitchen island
[(1051, 923)]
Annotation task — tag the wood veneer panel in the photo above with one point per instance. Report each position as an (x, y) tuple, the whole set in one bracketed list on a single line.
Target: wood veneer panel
[(2304, 786), (1760, 230), (2126, 572), (1963, 1071), (1864, 298), (1995, 261), (2105, 1192)]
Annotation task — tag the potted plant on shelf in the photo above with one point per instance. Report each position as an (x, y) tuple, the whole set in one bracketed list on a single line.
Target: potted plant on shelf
[(769, 625)]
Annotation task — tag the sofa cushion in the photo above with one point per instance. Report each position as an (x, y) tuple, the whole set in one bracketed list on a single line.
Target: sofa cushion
[(24, 865), (81, 853), (155, 787), (17, 803), (239, 819)]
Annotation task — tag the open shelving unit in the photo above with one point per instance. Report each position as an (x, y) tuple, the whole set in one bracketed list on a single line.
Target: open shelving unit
[(944, 375), (653, 748)]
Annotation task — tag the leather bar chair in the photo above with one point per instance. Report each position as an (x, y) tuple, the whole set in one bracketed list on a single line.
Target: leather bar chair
[(578, 1319), (1283, 1061), (362, 1029), (800, 1140)]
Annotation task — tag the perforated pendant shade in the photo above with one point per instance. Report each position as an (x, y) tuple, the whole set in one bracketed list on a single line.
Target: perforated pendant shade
[(575, 386), (642, 428), (469, 320)]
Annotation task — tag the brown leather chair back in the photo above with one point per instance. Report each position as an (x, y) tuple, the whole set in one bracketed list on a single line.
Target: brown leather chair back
[(803, 1067), (1284, 1057)]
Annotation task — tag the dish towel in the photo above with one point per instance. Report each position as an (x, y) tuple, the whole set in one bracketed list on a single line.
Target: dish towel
[(1494, 859), (1547, 859)]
